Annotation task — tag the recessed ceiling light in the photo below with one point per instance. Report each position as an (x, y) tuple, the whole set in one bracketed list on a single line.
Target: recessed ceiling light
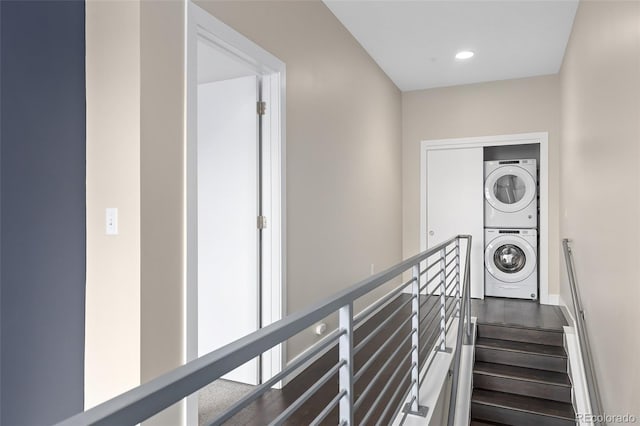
[(465, 54)]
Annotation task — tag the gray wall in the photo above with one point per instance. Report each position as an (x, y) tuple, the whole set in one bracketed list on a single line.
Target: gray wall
[(42, 169)]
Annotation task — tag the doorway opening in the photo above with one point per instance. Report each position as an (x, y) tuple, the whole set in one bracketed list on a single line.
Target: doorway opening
[(229, 201), (235, 197)]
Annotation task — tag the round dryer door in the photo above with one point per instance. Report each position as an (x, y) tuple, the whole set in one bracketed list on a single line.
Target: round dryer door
[(510, 258), (510, 189)]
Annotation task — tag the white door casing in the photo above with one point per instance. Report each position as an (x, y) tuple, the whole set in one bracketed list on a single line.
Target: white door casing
[(200, 25)]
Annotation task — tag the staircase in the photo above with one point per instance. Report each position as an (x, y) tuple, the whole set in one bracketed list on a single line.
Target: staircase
[(520, 377)]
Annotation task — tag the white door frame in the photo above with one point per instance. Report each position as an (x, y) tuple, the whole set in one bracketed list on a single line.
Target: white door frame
[(541, 138), (200, 23)]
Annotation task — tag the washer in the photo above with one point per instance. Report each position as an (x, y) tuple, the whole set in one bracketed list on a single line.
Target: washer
[(511, 263), (510, 194)]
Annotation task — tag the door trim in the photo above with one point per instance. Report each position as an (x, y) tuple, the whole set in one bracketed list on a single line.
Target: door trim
[(541, 138), (199, 22)]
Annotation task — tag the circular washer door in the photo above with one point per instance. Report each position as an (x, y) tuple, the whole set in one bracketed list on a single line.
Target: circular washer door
[(510, 189), (510, 258)]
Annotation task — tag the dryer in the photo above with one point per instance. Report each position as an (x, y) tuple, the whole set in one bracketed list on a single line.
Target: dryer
[(510, 194), (511, 263)]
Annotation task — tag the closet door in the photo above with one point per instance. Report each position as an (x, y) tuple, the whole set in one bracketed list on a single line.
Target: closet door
[(455, 205)]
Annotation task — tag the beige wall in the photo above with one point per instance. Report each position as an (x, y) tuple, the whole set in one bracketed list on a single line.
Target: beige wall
[(343, 154), (343, 165), (345, 171), (135, 145), (501, 107), (112, 345), (162, 147), (601, 188)]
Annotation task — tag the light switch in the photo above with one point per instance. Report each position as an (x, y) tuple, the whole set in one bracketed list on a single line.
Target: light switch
[(112, 221)]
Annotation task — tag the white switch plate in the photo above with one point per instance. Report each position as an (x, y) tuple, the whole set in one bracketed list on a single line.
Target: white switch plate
[(111, 221)]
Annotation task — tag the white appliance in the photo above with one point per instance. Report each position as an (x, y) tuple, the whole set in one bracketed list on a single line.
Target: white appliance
[(511, 263), (511, 194)]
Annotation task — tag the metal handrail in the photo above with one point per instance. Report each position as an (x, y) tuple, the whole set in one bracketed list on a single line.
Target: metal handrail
[(144, 401), (464, 330), (585, 347)]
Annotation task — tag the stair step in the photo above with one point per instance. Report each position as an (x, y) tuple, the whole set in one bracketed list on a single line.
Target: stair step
[(509, 345), (552, 337), (519, 410), (521, 373), (522, 381), (521, 354), (483, 423)]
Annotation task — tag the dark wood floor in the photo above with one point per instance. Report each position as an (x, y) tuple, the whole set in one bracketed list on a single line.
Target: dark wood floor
[(517, 313), (274, 402), (490, 310)]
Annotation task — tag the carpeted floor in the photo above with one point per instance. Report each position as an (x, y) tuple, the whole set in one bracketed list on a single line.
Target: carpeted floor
[(217, 397)]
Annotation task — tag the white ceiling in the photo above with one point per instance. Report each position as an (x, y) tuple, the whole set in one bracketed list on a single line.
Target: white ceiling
[(415, 42)]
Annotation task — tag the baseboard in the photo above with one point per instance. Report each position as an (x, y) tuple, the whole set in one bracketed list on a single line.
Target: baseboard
[(580, 392), (568, 315), (553, 299)]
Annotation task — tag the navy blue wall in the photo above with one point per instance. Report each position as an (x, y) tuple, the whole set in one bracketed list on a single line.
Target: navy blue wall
[(42, 210)]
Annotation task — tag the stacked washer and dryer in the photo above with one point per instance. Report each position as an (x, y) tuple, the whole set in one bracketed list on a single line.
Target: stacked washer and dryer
[(511, 236)]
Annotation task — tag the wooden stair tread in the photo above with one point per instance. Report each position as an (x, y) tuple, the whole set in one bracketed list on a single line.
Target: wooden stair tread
[(522, 373), (524, 403), (484, 423), (519, 333), (558, 329), (510, 345)]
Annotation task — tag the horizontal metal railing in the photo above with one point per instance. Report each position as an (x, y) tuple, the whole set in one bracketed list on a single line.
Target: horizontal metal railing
[(585, 347), (421, 311)]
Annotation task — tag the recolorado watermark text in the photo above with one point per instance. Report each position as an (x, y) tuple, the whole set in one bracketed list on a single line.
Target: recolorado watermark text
[(606, 418)]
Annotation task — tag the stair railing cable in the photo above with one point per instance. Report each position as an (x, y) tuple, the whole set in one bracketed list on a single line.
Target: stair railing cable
[(406, 325), (585, 347)]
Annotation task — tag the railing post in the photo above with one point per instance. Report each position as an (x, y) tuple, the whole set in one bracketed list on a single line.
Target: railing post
[(415, 329), (414, 406), (345, 352), (442, 345), (458, 280), (467, 299)]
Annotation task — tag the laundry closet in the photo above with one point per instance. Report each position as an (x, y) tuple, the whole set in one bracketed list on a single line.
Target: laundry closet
[(494, 189)]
